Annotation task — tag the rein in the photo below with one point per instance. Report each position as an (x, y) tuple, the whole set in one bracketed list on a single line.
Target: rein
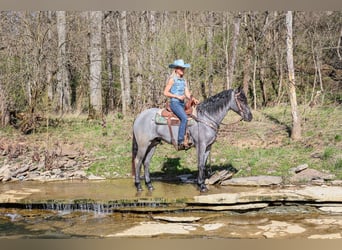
[(238, 104), (214, 125)]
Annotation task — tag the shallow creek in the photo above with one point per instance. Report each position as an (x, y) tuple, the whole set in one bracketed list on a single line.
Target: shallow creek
[(113, 209)]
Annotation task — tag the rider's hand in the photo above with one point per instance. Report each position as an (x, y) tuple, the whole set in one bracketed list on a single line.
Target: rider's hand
[(181, 97)]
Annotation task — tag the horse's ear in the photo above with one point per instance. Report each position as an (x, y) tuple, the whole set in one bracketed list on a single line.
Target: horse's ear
[(239, 89)]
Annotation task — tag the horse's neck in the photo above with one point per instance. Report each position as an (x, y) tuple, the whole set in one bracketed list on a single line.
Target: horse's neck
[(221, 115), (218, 116)]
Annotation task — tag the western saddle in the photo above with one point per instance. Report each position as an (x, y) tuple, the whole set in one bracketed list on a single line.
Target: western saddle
[(173, 120)]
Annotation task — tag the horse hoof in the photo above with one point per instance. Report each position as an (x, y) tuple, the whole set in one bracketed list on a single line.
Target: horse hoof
[(203, 188), (138, 186), (150, 186)]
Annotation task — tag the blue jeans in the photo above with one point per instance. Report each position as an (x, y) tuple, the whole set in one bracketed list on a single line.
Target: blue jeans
[(178, 108)]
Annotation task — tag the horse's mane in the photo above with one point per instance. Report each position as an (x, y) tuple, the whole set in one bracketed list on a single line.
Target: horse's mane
[(215, 103)]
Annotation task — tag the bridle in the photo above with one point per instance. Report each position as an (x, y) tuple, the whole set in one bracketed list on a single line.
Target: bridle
[(238, 104)]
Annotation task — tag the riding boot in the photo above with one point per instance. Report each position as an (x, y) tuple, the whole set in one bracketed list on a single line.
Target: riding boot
[(187, 140), (183, 146)]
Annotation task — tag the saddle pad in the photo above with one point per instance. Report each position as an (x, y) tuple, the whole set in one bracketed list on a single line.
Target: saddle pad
[(161, 120)]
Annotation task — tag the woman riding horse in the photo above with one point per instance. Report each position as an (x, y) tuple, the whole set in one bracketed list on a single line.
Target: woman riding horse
[(177, 90), (147, 134)]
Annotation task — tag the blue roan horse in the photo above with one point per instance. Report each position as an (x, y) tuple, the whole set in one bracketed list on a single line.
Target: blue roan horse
[(210, 113)]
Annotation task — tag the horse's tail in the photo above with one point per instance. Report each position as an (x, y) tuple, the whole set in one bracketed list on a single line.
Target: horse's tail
[(134, 153)]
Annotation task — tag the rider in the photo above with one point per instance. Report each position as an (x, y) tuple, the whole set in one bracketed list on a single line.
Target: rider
[(177, 90)]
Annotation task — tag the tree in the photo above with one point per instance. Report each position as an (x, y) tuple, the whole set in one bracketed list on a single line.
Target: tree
[(124, 67), (4, 114), (234, 49), (109, 63), (95, 85), (63, 85), (210, 38), (296, 124)]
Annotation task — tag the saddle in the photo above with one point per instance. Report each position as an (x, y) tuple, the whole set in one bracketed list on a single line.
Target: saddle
[(167, 117), (168, 114)]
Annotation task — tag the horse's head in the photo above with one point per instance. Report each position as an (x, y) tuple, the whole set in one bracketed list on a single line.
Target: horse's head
[(241, 104)]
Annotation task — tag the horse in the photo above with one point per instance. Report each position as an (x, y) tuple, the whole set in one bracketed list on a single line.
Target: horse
[(147, 134)]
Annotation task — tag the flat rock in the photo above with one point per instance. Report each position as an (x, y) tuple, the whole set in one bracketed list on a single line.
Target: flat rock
[(333, 209), (308, 193), (277, 229), (336, 182), (308, 175), (177, 218), (22, 170), (326, 236), (259, 195), (153, 228), (212, 227), (325, 221), (262, 180), (69, 151), (219, 176), (321, 194), (6, 175), (94, 177), (250, 206), (301, 168)]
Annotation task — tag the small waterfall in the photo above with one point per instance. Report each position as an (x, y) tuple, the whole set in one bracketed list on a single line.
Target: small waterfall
[(94, 206)]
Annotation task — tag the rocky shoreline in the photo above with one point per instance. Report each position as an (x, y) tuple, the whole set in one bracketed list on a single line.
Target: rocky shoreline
[(24, 162)]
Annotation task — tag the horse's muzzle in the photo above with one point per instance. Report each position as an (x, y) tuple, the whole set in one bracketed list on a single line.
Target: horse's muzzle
[(247, 117)]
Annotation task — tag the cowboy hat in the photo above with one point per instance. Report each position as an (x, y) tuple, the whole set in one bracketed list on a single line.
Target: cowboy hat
[(179, 63)]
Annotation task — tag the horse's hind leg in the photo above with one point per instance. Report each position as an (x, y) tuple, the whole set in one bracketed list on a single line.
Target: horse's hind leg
[(137, 162), (147, 160)]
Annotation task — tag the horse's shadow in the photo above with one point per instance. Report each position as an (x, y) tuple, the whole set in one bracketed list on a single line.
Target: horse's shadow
[(172, 171)]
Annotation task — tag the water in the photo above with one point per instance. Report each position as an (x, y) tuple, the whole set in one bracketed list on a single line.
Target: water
[(113, 209)]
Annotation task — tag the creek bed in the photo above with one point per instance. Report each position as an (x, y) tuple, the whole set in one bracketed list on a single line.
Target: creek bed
[(112, 208)]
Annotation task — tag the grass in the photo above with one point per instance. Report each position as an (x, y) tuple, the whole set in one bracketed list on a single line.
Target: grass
[(261, 147)]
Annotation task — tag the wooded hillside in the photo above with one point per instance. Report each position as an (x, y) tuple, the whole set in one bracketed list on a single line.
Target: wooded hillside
[(100, 62)]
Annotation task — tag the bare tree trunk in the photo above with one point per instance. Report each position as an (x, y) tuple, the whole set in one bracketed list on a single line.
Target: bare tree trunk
[(281, 74), (254, 79), (49, 64), (63, 85), (141, 54), (248, 58), (124, 67), (278, 60), (226, 45), (151, 55), (4, 114), (315, 77), (210, 35), (339, 45), (235, 42), (296, 123), (95, 85), (263, 82), (319, 66), (109, 61), (247, 71)]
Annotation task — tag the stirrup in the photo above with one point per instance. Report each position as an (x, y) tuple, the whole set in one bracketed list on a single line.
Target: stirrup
[(183, 147)]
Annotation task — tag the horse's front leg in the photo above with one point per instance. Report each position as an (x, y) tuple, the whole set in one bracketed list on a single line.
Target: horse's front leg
[(202, 155)]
